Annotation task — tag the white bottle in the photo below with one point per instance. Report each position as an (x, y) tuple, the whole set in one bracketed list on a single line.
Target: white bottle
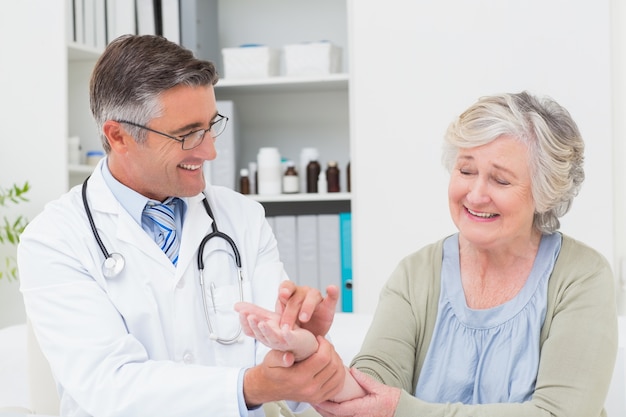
[(73, 150), (291, 183), (93, 157), (269, 171), (322, 184)]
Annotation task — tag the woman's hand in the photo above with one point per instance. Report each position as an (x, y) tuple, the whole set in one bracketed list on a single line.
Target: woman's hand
[(263, 325), (379, 401), (306, 307)]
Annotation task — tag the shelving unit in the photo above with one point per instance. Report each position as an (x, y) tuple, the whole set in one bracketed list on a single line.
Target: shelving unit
[(81, 60), (304, 203), (289, 113), (300, 197), (330, 82)]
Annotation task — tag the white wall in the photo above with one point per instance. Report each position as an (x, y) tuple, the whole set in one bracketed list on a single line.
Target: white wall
[(33, 114), (416, 65), (618, 86)]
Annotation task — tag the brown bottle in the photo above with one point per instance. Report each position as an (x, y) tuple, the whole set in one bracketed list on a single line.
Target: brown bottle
[(312, 173), (332, 177), (244, 182), (348, 179)]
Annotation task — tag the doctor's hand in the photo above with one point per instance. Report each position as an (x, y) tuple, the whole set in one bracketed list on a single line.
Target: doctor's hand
[(380, 400), (313, 380), (306, 307)]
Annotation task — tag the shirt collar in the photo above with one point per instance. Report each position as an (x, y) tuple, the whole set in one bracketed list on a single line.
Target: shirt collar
[(131, 200)]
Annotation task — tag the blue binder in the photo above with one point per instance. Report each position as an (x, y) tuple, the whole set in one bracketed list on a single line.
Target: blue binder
[(345, 225)]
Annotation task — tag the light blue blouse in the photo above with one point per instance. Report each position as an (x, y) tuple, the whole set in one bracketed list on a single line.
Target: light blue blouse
[(491, 355)]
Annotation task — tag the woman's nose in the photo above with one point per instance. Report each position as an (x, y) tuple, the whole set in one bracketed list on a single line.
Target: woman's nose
[(477, 191)]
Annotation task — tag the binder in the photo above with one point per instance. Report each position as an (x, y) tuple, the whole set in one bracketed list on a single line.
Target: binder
[(79, 21), (70, 18), (100, 28), (345, 221), (329, 245), (198, 28), (224, 167), (170, 18), (307, 247), (285, 232), (146, 19), (89, 23), (120, 18)]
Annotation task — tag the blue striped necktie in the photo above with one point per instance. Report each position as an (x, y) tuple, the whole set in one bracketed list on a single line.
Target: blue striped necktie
[(162, 216)]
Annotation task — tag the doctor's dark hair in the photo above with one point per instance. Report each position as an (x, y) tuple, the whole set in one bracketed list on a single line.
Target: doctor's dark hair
[(555, 147), (133, 72)]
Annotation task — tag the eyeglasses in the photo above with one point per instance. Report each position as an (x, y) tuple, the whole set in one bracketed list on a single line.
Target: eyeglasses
[(193, 139)]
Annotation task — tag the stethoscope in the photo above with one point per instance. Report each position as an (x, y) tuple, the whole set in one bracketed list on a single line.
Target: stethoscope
[(114, 264)]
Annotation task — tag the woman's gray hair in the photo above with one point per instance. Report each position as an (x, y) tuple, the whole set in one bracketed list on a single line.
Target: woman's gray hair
[(555, 147), (133, 72)]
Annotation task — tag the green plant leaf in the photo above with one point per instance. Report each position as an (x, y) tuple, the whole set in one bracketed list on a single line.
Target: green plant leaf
[(11, 230)]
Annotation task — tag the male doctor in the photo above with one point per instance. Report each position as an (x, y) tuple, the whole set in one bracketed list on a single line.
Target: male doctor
[(114, 293)]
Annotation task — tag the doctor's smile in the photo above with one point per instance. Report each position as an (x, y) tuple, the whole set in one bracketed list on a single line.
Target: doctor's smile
[(190, 167)]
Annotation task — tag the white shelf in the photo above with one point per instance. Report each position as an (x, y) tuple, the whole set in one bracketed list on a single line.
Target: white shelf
[(335, 82), (79, 52), (80, 169), (300, 197)]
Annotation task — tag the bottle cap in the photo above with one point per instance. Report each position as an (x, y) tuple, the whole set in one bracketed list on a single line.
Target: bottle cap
[(244, 172), (307, 154)]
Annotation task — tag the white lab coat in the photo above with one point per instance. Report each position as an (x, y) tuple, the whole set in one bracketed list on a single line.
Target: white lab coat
[(138, 344)]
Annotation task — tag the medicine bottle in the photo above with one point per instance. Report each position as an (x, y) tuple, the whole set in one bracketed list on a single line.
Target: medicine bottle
[(244, 181), (306, 155), (253, 177), (269, 172), (312, 174), (348, 179), (93, 157), (73, 150), (332, 177), (291, 182), (322, 183)]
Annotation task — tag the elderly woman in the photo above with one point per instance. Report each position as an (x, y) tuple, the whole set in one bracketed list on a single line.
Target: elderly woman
[(507, 317)]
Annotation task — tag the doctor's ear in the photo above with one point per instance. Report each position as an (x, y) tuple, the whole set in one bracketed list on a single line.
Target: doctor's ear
[(116, 135)]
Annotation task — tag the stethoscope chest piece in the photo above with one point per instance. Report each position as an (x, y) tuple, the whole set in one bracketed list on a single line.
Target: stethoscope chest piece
[(113, 265)]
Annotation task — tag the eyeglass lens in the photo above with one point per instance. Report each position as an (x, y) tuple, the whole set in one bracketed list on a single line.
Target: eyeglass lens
[(194, 139)]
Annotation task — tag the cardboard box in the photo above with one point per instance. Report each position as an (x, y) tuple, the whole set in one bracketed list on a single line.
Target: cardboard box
[(312, 58), (250, 61)]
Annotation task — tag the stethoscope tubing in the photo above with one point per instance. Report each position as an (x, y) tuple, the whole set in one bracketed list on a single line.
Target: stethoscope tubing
[(114, 263), (96, 235)]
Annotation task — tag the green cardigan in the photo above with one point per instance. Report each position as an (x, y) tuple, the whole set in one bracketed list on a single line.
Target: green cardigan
[(578, 338)]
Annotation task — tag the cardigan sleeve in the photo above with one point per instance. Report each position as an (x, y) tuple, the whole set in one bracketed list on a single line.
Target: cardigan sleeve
[(395, 346)]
